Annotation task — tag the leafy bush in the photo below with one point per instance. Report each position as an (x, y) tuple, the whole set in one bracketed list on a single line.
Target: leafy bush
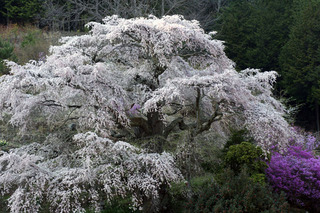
[(297, 173), (30, 38), (237, 194), (247, 154), (3, 204)]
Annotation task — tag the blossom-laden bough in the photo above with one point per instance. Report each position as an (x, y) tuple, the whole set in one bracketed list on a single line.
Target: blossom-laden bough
[(98, 168), (126, 78)]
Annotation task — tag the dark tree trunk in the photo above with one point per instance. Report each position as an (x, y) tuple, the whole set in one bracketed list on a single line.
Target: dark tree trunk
[(155, 122)]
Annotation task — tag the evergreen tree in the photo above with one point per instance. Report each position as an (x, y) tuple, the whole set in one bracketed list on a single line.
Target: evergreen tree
[(21, 10), (237, 31), (300, 59), (6, 52), (254, 31), (2, 12)]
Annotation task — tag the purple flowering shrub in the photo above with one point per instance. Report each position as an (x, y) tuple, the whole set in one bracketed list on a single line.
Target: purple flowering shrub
[(297, 173)]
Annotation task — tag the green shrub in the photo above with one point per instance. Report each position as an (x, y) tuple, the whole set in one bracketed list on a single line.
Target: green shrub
[(30, 38), (245, 154), (237, 194), (210, 157), (117, 205)]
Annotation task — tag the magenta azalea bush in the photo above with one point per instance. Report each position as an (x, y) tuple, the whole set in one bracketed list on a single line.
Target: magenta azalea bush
[(297, 173)]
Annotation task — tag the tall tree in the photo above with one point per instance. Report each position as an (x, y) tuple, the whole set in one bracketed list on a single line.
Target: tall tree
[(300, 60), (2, 13), (6, 53)]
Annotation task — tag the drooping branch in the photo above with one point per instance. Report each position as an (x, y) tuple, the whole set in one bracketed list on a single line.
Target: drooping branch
[(54, 103)]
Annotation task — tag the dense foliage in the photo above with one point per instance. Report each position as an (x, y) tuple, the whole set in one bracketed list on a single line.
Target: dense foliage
[(255, 31), (247, 155), (237, 193), (21, 10)]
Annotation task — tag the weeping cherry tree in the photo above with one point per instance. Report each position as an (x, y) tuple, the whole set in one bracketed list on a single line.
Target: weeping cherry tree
[(127, 78)]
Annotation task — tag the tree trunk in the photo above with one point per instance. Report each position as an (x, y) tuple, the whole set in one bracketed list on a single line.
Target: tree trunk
[(135, 12), (8, 19), (155, 122)]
